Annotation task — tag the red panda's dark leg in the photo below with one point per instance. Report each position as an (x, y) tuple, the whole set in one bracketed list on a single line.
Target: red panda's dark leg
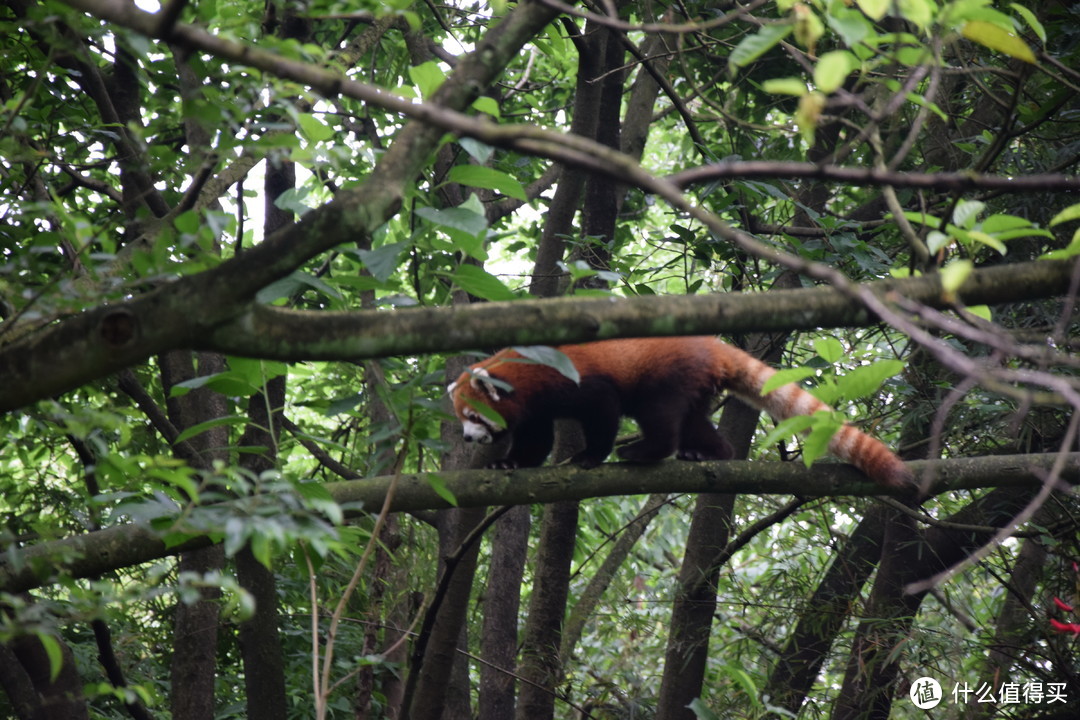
[(599, 425), (660, 421), (700, 440), (530, 444)]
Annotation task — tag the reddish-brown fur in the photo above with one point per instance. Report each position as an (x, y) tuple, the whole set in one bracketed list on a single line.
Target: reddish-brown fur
[(666, 384)]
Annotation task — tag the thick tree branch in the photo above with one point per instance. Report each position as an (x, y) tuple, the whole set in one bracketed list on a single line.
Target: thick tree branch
[(126, 545), (107, 339)]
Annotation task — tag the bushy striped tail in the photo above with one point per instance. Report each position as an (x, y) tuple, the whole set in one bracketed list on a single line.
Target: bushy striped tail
[(868, 454)]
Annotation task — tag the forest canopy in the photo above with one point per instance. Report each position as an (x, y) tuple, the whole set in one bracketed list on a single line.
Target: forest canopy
[(246, 246)]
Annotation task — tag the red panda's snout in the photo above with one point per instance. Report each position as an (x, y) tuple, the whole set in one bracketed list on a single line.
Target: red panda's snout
[(476, 432)]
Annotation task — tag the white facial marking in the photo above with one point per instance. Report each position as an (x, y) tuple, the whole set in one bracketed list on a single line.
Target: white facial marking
[(475, 432)]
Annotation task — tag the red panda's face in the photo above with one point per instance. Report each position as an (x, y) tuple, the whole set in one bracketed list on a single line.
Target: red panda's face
[(473, 394)]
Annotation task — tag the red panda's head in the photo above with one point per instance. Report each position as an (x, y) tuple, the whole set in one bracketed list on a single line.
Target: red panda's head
[(478, 403)]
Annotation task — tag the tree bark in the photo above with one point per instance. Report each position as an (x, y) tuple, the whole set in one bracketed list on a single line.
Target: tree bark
[(194, 651), (502, 601)]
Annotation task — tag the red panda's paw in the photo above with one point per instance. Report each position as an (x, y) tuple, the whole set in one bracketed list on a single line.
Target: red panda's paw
[(585, 461), (641, 452), (504, 464)]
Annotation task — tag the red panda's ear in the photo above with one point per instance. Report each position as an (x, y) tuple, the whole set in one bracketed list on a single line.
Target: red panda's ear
[(492, 387)]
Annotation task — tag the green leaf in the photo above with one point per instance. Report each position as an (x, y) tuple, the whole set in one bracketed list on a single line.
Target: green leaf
[(785, 86), (866, 380), (199, 428), (829, 349), (751, 47), (553, 358), (967, 212), (457, 218), (487, 104), (786, 429), (954, 274), (875, 9), (785, 376), (428, 77), (833, 68), (439, 486), (850, 24), (816, 444), (1031, 20), (1070, 213), (479, 282), (383, 262), (922, 218), (54, 652), (1071, 250), (478, 151), (314, 129), (988, 240), (919, 12), (485, 177), (996, 38)]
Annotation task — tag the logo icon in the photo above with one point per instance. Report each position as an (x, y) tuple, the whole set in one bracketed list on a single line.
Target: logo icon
[(925, 693)]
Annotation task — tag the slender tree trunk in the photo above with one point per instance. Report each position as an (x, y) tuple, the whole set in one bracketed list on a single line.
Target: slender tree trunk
[(194, 651), (502, 601), (806, 649), (260, 638), (872, 678), (541, 666)]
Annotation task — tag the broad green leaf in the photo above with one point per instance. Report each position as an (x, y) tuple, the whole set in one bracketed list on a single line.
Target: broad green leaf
[(806, 117), (479, 282), (865, 380), (478, 151), (816, 443), (875, 9), (982, 311), (54, 652), (829, 349), (996, 38), (428, 77), (1069, 251), (314, 129), (850, 24), (808, 27), (1070, 213), (988, 240), (1030, 19), (785, 86), (485, 177), (553, 358), (701, 710), (439, 486), (919, 12), (383, 262), (751, 47), (922, 218), (954, 274), (458, 218), (785, 376), (487, 104), (832, 69), (966, 212), (786, 429), (936, 240)]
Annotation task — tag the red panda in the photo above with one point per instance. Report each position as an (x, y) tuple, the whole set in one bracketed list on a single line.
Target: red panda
[(666, 384)]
